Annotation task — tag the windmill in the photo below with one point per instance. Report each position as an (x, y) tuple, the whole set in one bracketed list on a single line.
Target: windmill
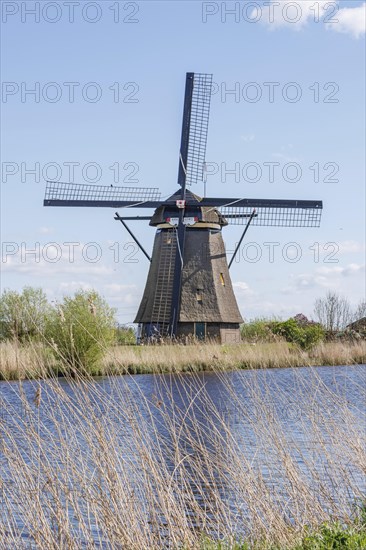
[(188, 289)]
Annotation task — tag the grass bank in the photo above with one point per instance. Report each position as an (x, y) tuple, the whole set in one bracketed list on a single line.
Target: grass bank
[(37, 361), (329, 536)]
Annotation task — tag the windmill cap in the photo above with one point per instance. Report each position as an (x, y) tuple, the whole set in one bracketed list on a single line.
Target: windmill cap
[(193, 209)]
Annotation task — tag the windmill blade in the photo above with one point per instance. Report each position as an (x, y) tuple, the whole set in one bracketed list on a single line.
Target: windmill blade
[(297, 214), (269, 212), (194, 128), (74, 194)]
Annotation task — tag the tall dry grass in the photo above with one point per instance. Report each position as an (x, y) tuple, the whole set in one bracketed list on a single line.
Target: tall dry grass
[(180, 358), (19, 361), (36, 361), (109, 464)]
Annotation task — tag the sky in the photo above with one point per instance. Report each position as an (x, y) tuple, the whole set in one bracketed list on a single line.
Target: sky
[(92, 92)]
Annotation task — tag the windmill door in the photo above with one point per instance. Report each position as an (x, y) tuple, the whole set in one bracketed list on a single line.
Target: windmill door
[(200, 331)]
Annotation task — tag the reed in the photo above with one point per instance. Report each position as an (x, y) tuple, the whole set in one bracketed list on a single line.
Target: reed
[(19, 361), (36, 361), (105, 465)]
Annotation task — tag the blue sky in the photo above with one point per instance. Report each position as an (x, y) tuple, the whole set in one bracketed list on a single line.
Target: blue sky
[(317, 141)]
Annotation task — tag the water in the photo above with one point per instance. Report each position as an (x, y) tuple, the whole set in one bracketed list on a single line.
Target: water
[(288, 427)]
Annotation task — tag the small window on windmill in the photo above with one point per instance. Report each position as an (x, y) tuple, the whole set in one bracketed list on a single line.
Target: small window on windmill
[(222, 280), (199, 295)]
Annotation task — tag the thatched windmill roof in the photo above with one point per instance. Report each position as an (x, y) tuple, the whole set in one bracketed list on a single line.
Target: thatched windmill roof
[(205, 213)]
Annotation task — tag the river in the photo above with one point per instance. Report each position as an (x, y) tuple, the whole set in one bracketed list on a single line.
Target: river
[(220, 437)]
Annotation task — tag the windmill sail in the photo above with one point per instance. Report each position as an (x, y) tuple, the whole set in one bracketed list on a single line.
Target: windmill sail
[(194, 128), (274, 216), (73, 194)]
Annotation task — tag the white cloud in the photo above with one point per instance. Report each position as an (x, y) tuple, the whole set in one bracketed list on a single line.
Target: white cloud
[(258, 306), (255, 304), (54, 259), (248, 137), (332, 250), (115, 288), (286, 154), (285, 158), (324, 278), (353, 269), (266, 298), (122, 294), (243, 288), (350, 269), (45, 230), (296, 15), (346, 247), (350, 20), (47, 269), (73, 286)]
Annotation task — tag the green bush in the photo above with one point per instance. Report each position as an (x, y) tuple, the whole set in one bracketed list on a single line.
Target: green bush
[(304, 336), (125, 336), (258, 330), (80, 329), (299, 331), (23, 315)]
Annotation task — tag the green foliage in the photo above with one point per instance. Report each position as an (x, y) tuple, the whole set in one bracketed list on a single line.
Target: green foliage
[(304, 336), (125, 336), (258, 330), (296, 331), (23, 315), (335, 537), (80, 329), (332, 536)]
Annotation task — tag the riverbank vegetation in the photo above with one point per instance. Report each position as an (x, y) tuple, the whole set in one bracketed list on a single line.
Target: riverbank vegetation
[(37, 361), (113, 463), (80, 335)]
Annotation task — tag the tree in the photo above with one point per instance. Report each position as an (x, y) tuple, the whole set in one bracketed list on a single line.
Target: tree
[(333, 311), (80, 329), (360, 311), (23, 315)]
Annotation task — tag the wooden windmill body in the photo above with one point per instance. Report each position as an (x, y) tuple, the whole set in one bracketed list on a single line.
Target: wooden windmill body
[(188, 290), (207, 307)]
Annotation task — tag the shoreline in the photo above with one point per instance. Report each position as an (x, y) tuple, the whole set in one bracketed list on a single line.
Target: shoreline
[(34, 361)]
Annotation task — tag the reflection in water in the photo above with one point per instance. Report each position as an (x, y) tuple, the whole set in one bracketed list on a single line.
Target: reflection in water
[(169, 457)]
